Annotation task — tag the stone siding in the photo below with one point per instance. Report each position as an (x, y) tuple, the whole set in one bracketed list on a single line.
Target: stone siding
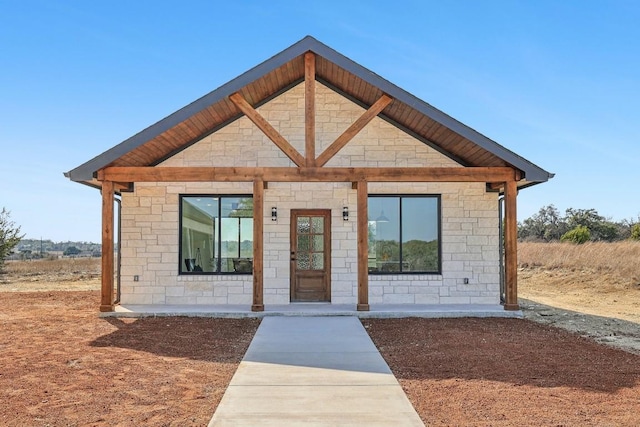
[(150, 223)]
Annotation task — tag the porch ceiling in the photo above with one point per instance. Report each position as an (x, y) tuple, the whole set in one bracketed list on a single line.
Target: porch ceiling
[(275, 76)]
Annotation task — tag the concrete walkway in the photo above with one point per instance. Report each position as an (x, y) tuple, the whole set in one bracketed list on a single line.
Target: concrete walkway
[(313, 371)]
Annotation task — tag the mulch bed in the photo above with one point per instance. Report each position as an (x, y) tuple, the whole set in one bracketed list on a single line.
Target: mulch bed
[(487, 372)]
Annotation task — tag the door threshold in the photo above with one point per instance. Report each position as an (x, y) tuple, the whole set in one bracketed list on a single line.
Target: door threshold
[(311, 302)]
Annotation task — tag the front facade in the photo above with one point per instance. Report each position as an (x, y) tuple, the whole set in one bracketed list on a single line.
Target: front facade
[(329, 186)]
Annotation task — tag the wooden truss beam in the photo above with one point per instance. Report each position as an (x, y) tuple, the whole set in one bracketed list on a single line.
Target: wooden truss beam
[(316, 174), (353, 130), (310, 108), (267, 129)]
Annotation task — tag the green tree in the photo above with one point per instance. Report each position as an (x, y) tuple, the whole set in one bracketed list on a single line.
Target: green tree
[(71, 250), (420, 255), (578, 235), (9, 235), (546, 225), (635, 232), (600, 228)]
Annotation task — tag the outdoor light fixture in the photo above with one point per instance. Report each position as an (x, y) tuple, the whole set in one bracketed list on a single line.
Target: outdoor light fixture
[(345, 213), (274, 214)]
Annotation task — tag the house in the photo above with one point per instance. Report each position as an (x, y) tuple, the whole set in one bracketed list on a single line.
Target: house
[(309, 179)]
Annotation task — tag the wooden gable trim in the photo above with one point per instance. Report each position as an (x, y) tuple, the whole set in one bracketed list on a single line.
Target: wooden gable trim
[(284, 70), (314, 174), (267, 129), (353, 130)]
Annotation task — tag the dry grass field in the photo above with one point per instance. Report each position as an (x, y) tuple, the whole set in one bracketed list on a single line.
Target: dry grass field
[(62, 365), (597, 278), (72, 274), (621, 258)]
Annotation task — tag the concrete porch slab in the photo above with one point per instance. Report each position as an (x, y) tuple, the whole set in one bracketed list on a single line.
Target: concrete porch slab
[(315, 309)]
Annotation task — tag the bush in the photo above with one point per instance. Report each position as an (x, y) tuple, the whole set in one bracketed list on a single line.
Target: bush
[(635, 232), (9, 235), (578, 235)]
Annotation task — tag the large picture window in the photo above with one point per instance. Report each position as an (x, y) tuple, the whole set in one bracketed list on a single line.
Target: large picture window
[(404, 234), (216, 234)]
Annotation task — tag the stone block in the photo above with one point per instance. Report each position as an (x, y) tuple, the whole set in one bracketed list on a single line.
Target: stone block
[(398, 299), (427, 299), (174, 291)]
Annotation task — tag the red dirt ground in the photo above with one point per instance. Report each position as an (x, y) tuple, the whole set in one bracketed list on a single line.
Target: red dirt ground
[(62, 365), (508, 372)]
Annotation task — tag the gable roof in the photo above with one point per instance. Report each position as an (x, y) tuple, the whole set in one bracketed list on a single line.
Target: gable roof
[(285, 70)]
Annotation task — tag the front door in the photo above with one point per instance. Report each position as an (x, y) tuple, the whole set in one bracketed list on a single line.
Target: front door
[(310, 255)]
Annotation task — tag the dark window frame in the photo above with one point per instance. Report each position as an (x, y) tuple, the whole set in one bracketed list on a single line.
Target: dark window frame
[(218, 248), (438, 198)]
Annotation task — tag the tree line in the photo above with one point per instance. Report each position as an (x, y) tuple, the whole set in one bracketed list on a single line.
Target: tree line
[(12, 240), (577, 226)]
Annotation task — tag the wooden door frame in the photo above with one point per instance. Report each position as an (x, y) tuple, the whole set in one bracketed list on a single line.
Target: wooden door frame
[(326, 213)]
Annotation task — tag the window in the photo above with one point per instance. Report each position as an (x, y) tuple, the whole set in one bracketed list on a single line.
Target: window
[(216, 234), (404, 234)]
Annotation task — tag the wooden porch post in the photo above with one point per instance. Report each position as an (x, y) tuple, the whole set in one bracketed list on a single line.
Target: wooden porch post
[(258, 227), (106, 302), (363, 238), (511, 246)]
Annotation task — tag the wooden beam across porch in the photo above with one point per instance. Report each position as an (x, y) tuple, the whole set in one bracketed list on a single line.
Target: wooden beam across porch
[(313, 174)]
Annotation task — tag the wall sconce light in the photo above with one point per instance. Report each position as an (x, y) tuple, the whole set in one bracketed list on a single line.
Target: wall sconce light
[(274, 214), (345, 213)]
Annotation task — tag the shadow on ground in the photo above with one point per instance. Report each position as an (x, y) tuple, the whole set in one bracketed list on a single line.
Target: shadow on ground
[(206, 339)]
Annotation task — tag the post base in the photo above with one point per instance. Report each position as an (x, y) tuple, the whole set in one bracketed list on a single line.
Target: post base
[(512, 307), (106, 308), (257, 307), (362, 307)]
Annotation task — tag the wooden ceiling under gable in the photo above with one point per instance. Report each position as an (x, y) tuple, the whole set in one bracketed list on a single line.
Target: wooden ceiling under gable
[(280, 73)]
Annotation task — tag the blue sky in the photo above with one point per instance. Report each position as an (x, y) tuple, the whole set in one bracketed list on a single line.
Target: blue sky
[(554, 81)]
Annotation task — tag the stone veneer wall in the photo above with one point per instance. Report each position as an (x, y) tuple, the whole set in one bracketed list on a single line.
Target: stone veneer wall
[(469, 215)]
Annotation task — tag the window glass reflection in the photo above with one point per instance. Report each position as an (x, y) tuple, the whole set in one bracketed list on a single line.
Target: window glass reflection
[(216, 234), (403, 234)]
